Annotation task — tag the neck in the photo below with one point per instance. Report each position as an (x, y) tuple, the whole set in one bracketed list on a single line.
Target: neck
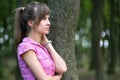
[(35, 37)]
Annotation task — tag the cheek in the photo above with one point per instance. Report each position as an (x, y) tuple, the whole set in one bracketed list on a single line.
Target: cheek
[(41, 26), (40, 29)]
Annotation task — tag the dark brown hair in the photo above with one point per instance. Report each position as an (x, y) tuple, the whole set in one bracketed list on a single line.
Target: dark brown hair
[(34, 11)]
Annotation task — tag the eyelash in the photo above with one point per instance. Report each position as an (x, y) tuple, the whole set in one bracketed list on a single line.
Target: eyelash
[(44, 18)]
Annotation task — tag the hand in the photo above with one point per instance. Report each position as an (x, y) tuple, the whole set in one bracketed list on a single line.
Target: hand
[(44, 39), (58, 76)]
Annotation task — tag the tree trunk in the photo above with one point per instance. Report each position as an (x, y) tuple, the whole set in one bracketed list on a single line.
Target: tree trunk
[(114, 32), (97, 61), (64, 21)]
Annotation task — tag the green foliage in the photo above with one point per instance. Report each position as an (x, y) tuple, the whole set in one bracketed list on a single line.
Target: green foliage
[(85, 10), (6, 8), (84, 26), (6, 33), (106, 14), (1, 72), (84, 32), (87, 6)]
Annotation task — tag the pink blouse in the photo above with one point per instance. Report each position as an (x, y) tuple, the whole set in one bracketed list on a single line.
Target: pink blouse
[(43, 56)]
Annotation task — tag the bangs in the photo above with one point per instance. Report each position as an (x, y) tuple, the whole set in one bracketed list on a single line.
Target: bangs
[(40, 12), (46, 10), (43, 10)]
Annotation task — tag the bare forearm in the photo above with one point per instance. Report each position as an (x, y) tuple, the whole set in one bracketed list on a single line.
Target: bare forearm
[(59, 62)]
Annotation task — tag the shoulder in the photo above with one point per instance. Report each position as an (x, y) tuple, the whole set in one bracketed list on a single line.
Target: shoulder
[(24, 47)]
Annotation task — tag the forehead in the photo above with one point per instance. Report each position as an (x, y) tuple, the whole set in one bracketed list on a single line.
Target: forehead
[(47, 15)]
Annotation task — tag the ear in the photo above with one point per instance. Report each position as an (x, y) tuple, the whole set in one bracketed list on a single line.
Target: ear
[(30, 23)]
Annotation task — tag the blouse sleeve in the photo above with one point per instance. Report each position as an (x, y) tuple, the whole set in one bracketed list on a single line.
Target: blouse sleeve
[(24, 47)]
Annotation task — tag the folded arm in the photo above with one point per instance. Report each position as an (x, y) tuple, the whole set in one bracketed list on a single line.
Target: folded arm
[(31, 60)]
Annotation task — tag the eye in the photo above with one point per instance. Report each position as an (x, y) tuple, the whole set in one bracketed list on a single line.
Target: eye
[(44, 18)]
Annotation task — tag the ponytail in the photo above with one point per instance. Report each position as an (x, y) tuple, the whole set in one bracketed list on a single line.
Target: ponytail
[(20, 29)]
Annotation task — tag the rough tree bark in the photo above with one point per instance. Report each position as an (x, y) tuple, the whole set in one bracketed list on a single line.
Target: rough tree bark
[(64, 21)]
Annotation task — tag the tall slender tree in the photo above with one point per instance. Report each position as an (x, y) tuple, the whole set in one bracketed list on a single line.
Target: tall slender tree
[(114, 32), (64, 21), (96, 29)]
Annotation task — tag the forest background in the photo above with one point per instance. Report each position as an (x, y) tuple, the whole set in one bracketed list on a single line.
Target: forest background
[(86, 33)]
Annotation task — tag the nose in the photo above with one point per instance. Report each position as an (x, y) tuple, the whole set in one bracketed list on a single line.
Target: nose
[(48, 22)]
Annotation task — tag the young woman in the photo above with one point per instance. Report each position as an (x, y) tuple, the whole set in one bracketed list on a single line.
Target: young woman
[(37, 58)]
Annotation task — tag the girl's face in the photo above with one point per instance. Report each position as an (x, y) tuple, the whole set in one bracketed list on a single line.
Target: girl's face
[(44, 25)]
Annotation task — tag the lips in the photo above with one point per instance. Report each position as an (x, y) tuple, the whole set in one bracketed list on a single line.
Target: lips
[(48, 29)]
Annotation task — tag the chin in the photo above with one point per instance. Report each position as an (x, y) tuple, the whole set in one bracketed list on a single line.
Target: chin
[(47, 32)]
